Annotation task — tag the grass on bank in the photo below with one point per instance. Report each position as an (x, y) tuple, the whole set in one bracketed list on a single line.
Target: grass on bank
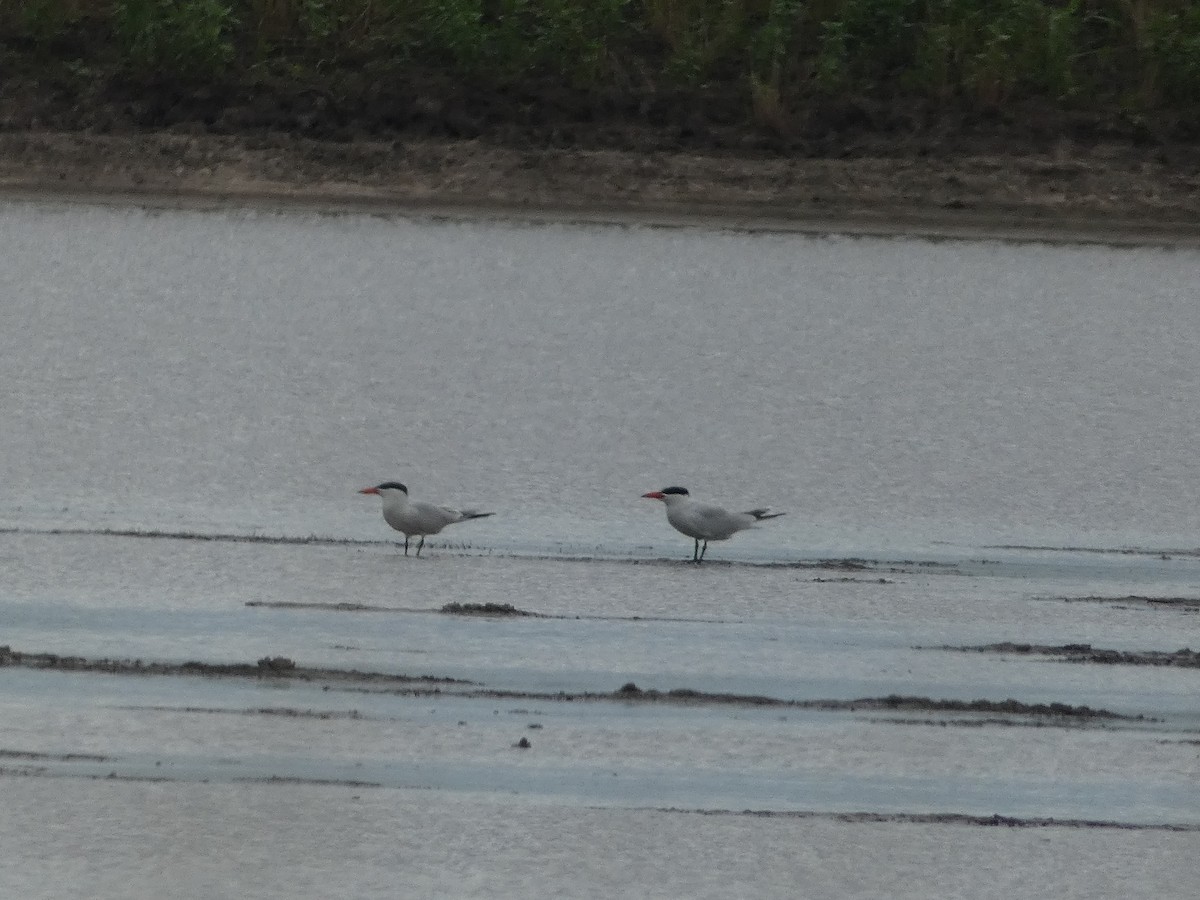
[(1131, 55)]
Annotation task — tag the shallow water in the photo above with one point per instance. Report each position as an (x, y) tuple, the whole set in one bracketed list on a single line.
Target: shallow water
[(965, 437)]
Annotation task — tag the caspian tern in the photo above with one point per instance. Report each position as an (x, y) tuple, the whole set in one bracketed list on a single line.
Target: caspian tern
[(414, 517), (703, 521)]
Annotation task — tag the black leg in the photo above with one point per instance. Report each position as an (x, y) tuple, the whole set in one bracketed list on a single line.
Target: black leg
[(420, 545), (406, 545), (696, 550), (703, 550)]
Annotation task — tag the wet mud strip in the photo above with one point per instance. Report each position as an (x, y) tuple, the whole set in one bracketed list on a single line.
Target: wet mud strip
[(1131, 601), (319, 782), (48, 772), (281, 668), (859, 565), (32, 756), (846, 579), (28, 762), (1015, 721), (489, 610), (478, 610), (269, 667), (1114, 551), (1047, 712), (839, 564), (847, 564), (1086, 653), (993, 821), (342, 606), (283, 712), (192, 536), (969, 714), (1012, 711), (231, 538), (850, 818)]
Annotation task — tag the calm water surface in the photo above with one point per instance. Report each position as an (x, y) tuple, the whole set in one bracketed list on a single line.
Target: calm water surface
[(989, 430)]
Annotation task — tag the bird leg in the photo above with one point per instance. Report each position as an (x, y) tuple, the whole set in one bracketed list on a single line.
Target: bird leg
[(703, 550), (696, 550), (420, 545), (406, 545)]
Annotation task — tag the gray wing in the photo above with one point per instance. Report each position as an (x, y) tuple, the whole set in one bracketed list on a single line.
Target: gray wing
[(763, 513)]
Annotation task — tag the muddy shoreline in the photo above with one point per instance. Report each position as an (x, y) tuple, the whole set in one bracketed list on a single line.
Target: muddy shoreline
[(1138, 601), (283, 668), (31, 764), (1085, 653), (1115, 194)]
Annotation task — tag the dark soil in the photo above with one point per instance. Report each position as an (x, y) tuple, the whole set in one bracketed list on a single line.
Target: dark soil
[(1029, 170), (57, 757), (191, 536), (893, 702), (1086, 653), (271, 667), (993, 821), (282, 668), (1116, 551), (490, 610), (1182, 604)]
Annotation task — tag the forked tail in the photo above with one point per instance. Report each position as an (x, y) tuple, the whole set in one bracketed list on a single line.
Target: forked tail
[(474, 514), (764, 513)]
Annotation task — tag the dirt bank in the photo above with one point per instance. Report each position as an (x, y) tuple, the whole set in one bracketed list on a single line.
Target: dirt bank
[(1115, 193)]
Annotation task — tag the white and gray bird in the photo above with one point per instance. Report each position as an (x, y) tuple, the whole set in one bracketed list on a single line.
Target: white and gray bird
[(704, 522), (415, 518)]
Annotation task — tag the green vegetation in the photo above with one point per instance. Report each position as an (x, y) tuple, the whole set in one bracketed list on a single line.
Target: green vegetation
[(1128, 56)]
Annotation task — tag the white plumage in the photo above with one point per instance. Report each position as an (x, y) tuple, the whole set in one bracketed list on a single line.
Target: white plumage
[(704, 522), (415, 518)]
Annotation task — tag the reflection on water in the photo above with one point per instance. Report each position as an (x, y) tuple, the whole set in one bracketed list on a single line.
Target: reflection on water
[(242, 372)]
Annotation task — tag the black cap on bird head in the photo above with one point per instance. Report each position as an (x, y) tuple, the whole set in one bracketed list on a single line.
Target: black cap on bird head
[(676, 490), (392, 485)]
